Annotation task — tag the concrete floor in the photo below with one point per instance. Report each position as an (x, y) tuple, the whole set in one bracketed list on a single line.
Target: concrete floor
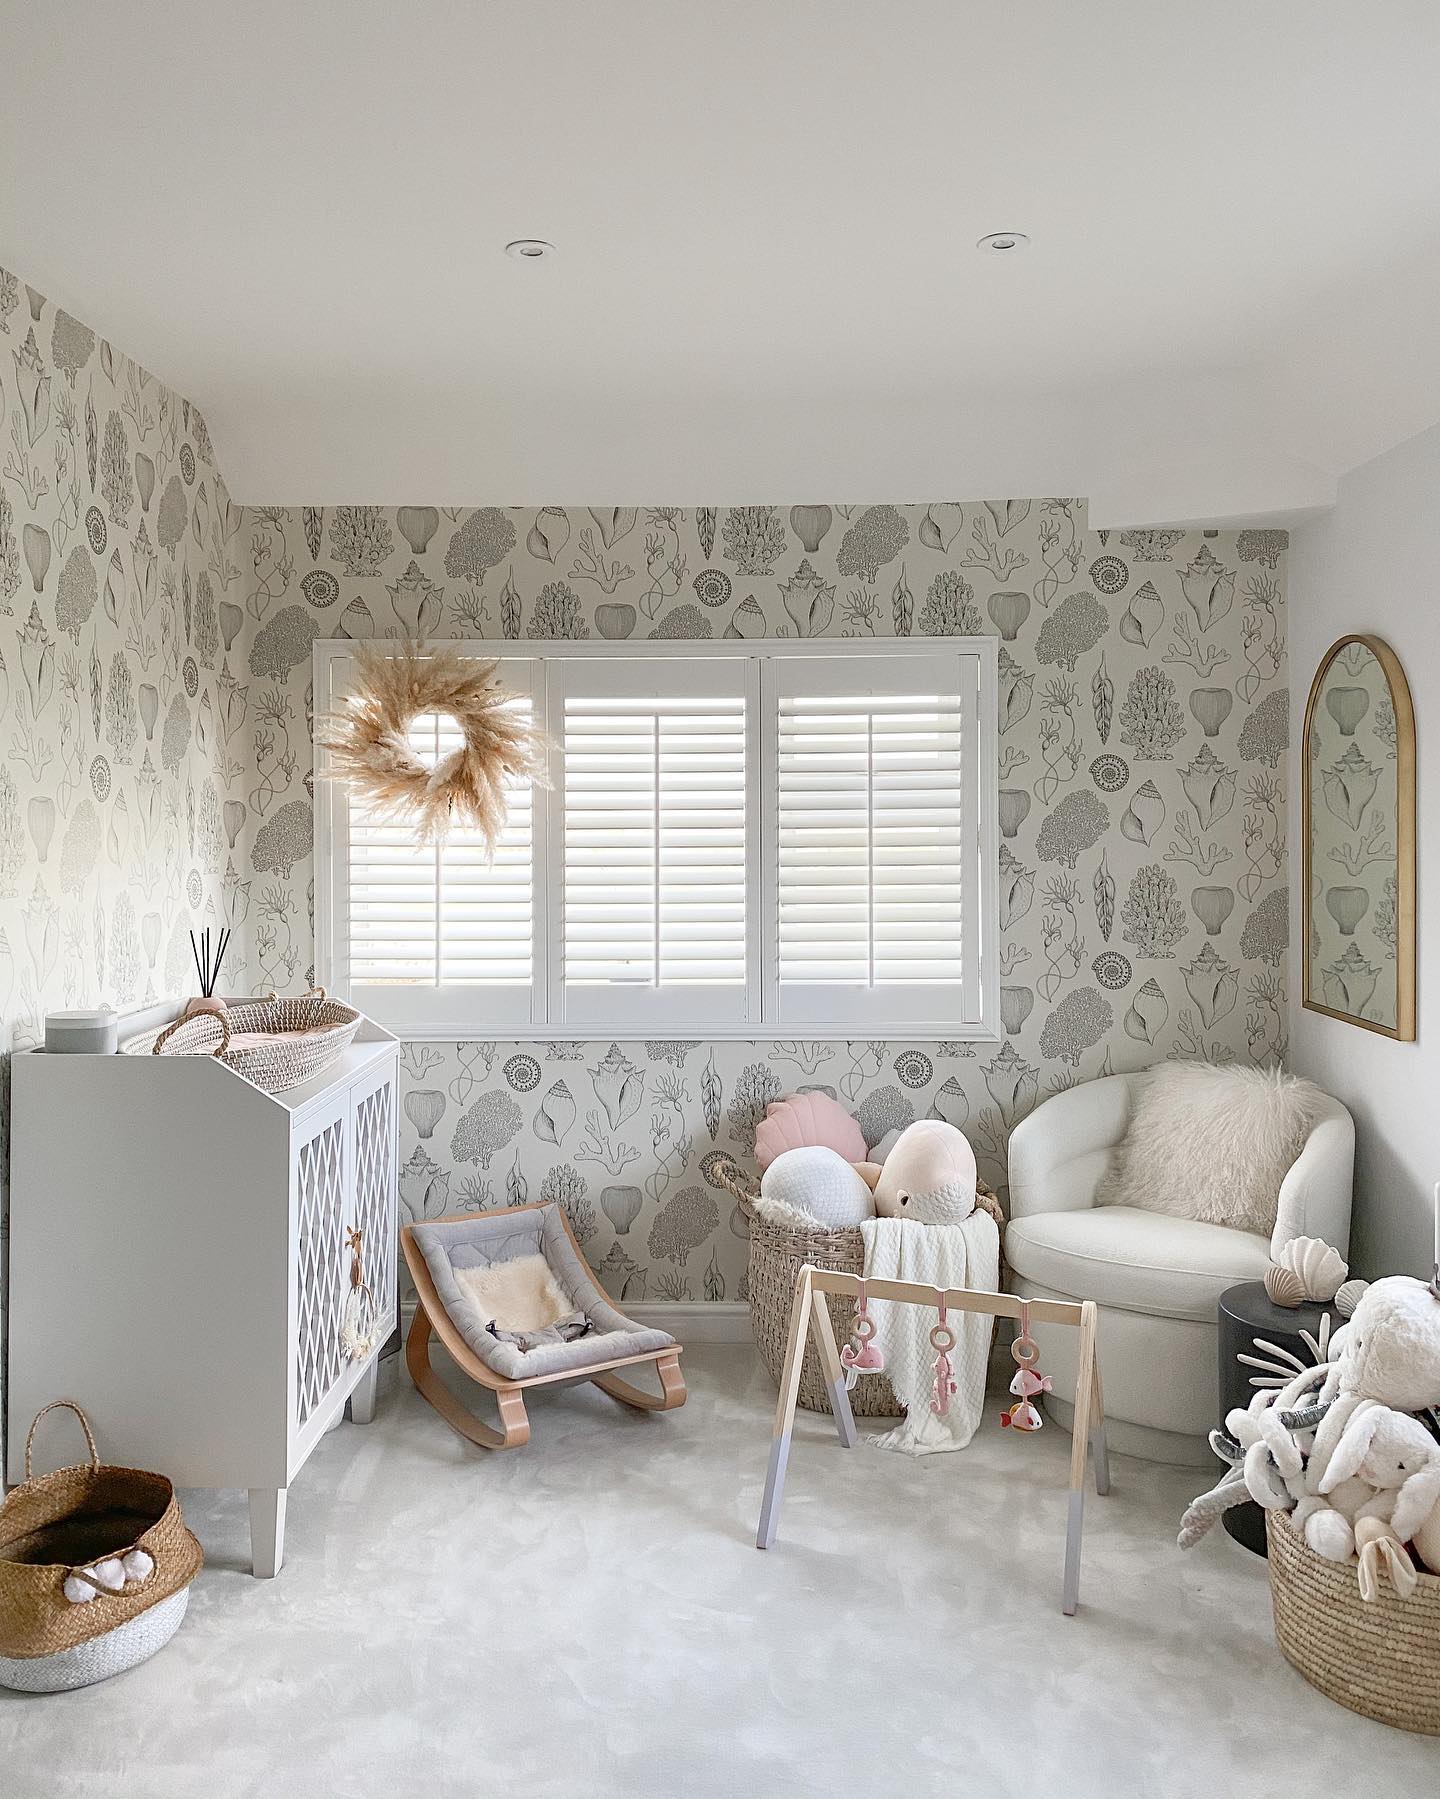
[(589, 1616)]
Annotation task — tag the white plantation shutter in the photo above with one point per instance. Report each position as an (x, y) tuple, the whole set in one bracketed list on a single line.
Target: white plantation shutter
[(740, 837), (443, 931), (657, 830), (877, 840)]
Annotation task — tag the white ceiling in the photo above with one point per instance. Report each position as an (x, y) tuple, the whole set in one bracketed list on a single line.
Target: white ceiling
[(766, 211)]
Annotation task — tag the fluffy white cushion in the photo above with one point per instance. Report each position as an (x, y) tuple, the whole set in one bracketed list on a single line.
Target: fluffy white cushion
[(1212, 1143), (818, 1182)]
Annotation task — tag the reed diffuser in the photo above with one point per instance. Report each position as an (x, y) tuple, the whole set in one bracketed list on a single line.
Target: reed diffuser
[(207, 967)]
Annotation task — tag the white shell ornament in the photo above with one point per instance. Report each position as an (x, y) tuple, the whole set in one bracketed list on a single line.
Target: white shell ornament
[(1348, 1295), (1319, 1268)]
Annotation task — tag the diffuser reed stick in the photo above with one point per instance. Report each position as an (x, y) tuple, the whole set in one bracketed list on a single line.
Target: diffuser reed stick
[(207, 967)]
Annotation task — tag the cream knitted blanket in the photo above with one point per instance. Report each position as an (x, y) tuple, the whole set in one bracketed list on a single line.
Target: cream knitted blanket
[(938, 1255)]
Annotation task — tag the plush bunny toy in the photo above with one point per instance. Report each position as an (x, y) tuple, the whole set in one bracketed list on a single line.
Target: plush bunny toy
[(1386, 1466), (929, 1175), (1389, 1352)]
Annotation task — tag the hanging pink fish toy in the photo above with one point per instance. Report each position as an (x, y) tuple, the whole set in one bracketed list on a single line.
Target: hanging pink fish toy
[(861, 1355), (942, 1341), (1028, 1381)]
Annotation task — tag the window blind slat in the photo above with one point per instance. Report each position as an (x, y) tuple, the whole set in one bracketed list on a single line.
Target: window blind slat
[(445, 914), (655, 826), (871, 839)]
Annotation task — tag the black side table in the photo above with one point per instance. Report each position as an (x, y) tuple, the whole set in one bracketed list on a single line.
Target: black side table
[(1247, 1312)]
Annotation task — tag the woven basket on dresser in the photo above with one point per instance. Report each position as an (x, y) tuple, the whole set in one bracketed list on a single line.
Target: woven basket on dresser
[(776, 1256), (1381, 1658), (308, 1031)]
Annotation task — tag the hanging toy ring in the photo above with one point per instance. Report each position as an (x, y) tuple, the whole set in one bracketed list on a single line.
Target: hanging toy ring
[(1025, 1349), (942, 1338), (863, 1328)]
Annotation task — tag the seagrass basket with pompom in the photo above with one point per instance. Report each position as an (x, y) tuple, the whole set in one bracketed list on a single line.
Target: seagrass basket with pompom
[(95, 1570), (1378, 1657), (777, 1254)]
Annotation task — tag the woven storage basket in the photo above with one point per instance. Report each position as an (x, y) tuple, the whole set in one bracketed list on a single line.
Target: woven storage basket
[(776, 1257), (312, 1032), (57, 1527), (1380, 1658)]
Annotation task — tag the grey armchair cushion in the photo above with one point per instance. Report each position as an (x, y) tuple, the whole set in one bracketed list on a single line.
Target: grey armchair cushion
[(490, 1238)]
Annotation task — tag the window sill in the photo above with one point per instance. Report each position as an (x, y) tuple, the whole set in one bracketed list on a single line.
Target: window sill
[(881, 1031)]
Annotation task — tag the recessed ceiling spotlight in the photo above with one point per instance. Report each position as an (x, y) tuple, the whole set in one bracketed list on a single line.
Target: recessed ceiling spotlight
[(1002, 243), (529, 249)]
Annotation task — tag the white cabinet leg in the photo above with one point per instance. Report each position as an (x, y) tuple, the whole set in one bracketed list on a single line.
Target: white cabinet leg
[(362, 1399), (267, 1531)]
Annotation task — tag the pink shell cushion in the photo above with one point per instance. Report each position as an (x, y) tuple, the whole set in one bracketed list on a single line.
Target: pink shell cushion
[(803, 1121)]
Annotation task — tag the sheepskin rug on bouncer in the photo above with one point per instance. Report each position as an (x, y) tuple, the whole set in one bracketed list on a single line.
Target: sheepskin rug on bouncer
[(519, 1295)]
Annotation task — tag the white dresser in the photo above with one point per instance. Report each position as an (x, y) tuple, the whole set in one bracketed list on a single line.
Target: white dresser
[(178, 1261)]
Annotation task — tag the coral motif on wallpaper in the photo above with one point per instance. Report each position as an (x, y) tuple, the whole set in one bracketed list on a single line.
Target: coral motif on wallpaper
[(122, 764), (1143, 730)]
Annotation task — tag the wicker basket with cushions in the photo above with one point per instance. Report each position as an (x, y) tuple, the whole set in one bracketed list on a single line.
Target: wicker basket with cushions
[(777, 1254)]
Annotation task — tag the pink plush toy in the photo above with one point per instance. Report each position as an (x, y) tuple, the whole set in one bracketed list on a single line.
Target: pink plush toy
[(862, 1354), (804, 1121), (1029, 1382), (929, 1175)]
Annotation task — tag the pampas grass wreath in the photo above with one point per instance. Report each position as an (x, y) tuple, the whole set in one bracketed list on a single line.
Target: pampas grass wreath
[(367, 738)]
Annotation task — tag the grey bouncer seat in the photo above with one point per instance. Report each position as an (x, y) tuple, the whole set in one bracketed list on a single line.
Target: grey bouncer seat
[(438, 1254)]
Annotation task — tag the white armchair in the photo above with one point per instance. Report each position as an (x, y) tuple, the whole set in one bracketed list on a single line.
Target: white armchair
[(1156, 1279)]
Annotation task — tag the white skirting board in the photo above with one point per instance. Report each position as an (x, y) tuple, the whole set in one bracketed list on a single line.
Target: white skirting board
[(691, 1320), (697, 1320)]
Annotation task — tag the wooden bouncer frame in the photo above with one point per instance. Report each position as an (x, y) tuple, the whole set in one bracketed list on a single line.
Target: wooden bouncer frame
[(810, 1314), (514, 1433)]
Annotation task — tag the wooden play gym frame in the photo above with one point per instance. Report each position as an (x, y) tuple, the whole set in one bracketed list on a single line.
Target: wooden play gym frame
[(809, 1313)]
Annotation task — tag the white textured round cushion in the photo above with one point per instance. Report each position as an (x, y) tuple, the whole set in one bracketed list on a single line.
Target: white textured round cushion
[(818, 1181)]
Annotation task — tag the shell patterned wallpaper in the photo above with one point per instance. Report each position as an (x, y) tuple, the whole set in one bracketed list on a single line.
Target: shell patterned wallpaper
[(122, 766), (1143, 732), (121, 762), (156, 772)]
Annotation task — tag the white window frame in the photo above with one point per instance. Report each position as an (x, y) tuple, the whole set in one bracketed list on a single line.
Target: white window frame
[(444, 1014)]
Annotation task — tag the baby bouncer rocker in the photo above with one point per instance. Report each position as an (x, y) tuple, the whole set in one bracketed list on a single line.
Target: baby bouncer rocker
[(513, 1300)]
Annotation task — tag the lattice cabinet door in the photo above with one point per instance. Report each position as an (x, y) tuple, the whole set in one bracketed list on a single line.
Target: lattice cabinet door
[(373, 1137), (321, 1173)]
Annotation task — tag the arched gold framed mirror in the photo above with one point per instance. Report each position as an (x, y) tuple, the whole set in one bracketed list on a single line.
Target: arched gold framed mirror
[(1358, 775)]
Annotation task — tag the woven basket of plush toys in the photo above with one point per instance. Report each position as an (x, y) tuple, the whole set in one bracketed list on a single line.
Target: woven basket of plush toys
[(1345, 1458), (816, 1181)]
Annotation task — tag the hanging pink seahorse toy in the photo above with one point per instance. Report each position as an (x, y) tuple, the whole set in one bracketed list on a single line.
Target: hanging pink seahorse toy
[(861, 1355), (942, 1341), (1028, 1381)]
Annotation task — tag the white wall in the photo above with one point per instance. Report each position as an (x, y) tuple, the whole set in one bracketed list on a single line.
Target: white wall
[(1373, 564)]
